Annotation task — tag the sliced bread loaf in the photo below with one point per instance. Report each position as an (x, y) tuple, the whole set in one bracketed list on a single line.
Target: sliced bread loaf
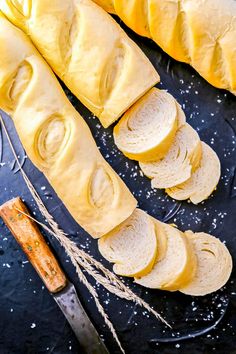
[(147, 130), (214, 264), (202, 182), (180, 161), (132, 246), (177, 268)]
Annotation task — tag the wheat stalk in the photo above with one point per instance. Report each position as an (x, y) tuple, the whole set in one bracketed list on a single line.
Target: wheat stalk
[(100, 308)]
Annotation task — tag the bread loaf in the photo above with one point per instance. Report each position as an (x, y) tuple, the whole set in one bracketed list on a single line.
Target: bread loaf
[(57, 139), (132, 246), (180, 161), (214, 264), (198, 32), (202, 182), (88, 50), (177, 268), (147, 130)]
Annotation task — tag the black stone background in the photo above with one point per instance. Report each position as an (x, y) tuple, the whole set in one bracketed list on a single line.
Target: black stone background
[(31, 322)]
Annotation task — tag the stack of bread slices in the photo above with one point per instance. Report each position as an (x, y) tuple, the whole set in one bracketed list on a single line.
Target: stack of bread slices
[(159, 256), (154, 132)]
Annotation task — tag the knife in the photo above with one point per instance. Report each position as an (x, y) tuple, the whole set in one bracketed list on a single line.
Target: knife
[(39, 254)]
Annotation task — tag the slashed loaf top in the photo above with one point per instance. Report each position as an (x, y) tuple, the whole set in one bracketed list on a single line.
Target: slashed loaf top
[(198, 32), (88, 50), (56, 138)]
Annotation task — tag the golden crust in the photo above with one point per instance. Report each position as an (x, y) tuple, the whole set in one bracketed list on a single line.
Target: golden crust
[(198, 32), (89, 51)]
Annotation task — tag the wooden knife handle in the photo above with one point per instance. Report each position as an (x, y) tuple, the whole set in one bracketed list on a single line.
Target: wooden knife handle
[(33, 244)]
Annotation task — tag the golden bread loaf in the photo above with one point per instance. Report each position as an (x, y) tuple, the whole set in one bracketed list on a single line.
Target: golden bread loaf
[(214, 264), (202, 182), (147, 130), (198, 32), (180, 161), (57, 139), (178, 266), (89, 52), (132, 245)]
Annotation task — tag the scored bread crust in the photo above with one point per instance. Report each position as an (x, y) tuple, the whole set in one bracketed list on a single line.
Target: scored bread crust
[(202, 182), (132, 245), (147, 130), (57, 139), (180, 161), (88, 50), (198, 32), (177, 268), (214, 264)]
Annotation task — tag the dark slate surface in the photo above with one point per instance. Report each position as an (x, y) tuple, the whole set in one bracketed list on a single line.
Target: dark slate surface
[(31, 322)]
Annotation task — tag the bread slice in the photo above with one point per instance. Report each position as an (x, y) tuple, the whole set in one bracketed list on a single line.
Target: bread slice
[(177, 268), (203, 181), (180, 161), (181, 115), (132, 246), (161, 239), (214, 264), (147, 130)]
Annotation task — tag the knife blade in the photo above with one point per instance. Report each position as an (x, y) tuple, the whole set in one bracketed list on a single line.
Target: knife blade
[(75, 314), (41, 257)]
